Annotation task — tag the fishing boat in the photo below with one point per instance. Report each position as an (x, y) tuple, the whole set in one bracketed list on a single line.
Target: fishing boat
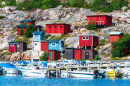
[(9, 68)]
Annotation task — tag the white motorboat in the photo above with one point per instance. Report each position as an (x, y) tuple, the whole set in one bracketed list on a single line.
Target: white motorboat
[(81, 74), (9, 68), (33, 71)]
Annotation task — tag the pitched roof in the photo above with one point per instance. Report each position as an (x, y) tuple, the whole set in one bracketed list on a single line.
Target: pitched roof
[(15, 42), (115, 33), (12, 43), (98, 15), (27, 20), (38, 32), (56, 41), (89, 35), (25, 26)]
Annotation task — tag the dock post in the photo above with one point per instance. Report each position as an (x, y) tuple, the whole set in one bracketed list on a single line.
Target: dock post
[(48, 73), (56, 71)]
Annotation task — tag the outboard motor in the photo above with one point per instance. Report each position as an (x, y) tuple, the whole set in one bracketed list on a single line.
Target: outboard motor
[(95, 73)]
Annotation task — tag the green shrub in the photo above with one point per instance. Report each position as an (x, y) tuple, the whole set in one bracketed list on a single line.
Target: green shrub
[(103, 41), (44, 56), (49, 4), (46, 36), (21, 31), (29, 30), (1, 17), (91, 26)]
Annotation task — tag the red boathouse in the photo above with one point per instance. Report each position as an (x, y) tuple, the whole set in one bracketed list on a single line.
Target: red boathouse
[(23, 27), (114, 36), (104, 20), (88, 41), (58, 28), (28, 22), (17, 46), (53, 55)]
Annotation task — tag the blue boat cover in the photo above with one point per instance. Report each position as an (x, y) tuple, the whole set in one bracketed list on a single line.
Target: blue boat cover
[(7, 65), (81, 62), (24, 62)]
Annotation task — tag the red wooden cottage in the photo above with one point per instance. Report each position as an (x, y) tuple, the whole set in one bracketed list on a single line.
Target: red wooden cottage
[(17, 46), (104, 20), (53, 55), (114, 36), (88, 41), (28, 22), (23, 27), (60, 28)]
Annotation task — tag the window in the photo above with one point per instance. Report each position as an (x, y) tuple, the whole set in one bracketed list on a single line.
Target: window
[(53, 44), (12, 45), (97, 18), (67, 51), (49, 26), (55, 26), (17, 45), (103, 17), (91, 18), (85, 38), (60, 26), (35, 44), (86, 53), (75, 52), (36, 35)]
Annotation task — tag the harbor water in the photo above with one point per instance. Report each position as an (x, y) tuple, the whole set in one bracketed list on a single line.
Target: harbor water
[(29, 81)]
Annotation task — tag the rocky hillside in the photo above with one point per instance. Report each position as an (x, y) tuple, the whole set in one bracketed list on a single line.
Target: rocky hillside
[(74, 16)]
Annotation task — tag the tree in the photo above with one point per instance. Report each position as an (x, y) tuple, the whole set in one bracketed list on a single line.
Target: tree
[(44, 56), (29, 30), (120, 46), (91, 25), (21, 31)]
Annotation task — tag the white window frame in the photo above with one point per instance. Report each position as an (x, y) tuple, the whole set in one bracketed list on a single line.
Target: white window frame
[(53, 45), (85, 38)]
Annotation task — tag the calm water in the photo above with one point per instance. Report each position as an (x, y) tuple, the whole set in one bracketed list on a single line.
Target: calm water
[(24, 81)]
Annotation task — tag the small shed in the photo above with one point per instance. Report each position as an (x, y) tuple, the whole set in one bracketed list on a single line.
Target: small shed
[(23, 27), (99, 20), (56, 45), (44, 46), (69, 51), (38, 35), (89, 54), (17, 46), (114, 36), (58, 28), (77, 54), (53, 55), (88, 40), (27, 22)]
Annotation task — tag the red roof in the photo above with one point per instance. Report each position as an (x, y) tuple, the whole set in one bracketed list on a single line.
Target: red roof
[(58, 24), (98, 15)]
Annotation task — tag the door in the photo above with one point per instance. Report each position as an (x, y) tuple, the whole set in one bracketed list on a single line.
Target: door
[(50, 55), (86, 55), (19, 47)]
